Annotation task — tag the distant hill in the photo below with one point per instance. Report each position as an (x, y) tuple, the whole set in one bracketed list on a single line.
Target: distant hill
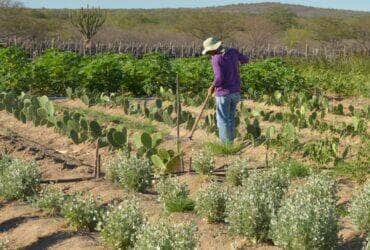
[(300, 10)]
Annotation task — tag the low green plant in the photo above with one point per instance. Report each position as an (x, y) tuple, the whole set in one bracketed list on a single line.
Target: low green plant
[(162, 235), (121, 224), (203, 163), (236, 172), (50, 201), (219, 148), (252, 206), (293, 168), (211, 202), (308, 218), (174, 196), (82, 213), (18, 179), (130, 172), (360, 209), (322, 151)]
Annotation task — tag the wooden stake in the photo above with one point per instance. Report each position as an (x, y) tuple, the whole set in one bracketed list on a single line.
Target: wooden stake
[(178, 119), (97, 161)]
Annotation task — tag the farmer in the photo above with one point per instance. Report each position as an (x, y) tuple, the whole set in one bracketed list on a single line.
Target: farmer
[(225, 63)]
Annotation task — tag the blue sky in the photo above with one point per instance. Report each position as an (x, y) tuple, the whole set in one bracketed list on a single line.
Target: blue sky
[(337, 4)]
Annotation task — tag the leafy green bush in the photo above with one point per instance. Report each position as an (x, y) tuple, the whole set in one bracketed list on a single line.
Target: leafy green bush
[(195, 74), (203, 163), (270, 75), (252, 206), (81, 213), (154, 71), (162, 235), (174, 196), (120, 225), (54, 71), (211, 202), (50, 201), (131, 173), (308, 218), (14, 69), (18, 180), (360, 208), (102, 73), (236, 172)]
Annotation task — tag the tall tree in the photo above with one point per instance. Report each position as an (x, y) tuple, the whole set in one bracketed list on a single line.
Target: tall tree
[(88, 21)]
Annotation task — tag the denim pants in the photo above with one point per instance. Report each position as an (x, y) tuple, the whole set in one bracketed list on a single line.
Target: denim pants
[(225, 114)]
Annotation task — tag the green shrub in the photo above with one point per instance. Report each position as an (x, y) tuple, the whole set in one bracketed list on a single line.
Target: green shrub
[(14, 69), (50, 201), (102, 73), (120, 225), (308, 218), (131, 173), (174, 196), (81, 213), (195, 72), (236, 172), (154, 71), (293, 168), (161, 235), (211, 202), (203, 163), (54, 71), (251, 207), (19, 180), (360, 208), (270, 75)]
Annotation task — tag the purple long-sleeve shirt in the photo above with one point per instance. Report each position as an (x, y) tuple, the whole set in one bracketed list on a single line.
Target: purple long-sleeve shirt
[(226, 69)]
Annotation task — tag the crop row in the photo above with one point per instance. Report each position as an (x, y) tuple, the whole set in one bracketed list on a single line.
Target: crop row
[(296, 217)]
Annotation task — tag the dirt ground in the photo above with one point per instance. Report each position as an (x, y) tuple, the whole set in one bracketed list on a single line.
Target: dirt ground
[(24, 227)]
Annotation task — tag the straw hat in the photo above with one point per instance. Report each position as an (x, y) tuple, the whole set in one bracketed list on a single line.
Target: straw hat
[(211, 44)]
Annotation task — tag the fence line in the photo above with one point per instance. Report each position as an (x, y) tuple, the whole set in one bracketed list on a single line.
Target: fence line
[(35, 48)]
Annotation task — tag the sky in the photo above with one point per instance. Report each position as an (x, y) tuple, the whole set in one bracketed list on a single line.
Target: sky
[(363, 5)]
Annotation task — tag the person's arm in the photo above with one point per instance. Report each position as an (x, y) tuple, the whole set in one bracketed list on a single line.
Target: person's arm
[(243, 59), (216, 64)]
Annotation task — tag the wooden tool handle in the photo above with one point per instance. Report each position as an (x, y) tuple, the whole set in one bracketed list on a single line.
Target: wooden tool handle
[(200, 115)]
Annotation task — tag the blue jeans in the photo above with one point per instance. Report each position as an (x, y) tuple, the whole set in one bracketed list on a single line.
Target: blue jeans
[(225, 114)]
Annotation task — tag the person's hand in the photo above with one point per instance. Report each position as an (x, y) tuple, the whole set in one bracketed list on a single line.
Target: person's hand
[(211, 90)]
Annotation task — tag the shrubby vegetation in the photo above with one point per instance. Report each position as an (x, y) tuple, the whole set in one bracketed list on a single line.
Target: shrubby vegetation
[(360, 208), (203, 163), (82, 213), (120, 225), (174, 196), (211, 202), (308, 218), (253, 205), (237, 172), (131, 173), (162, 235), (50, 200), (18, 179), (54, 71)]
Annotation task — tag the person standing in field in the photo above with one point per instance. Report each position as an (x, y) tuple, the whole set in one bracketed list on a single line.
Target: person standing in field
[(226, 84)]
